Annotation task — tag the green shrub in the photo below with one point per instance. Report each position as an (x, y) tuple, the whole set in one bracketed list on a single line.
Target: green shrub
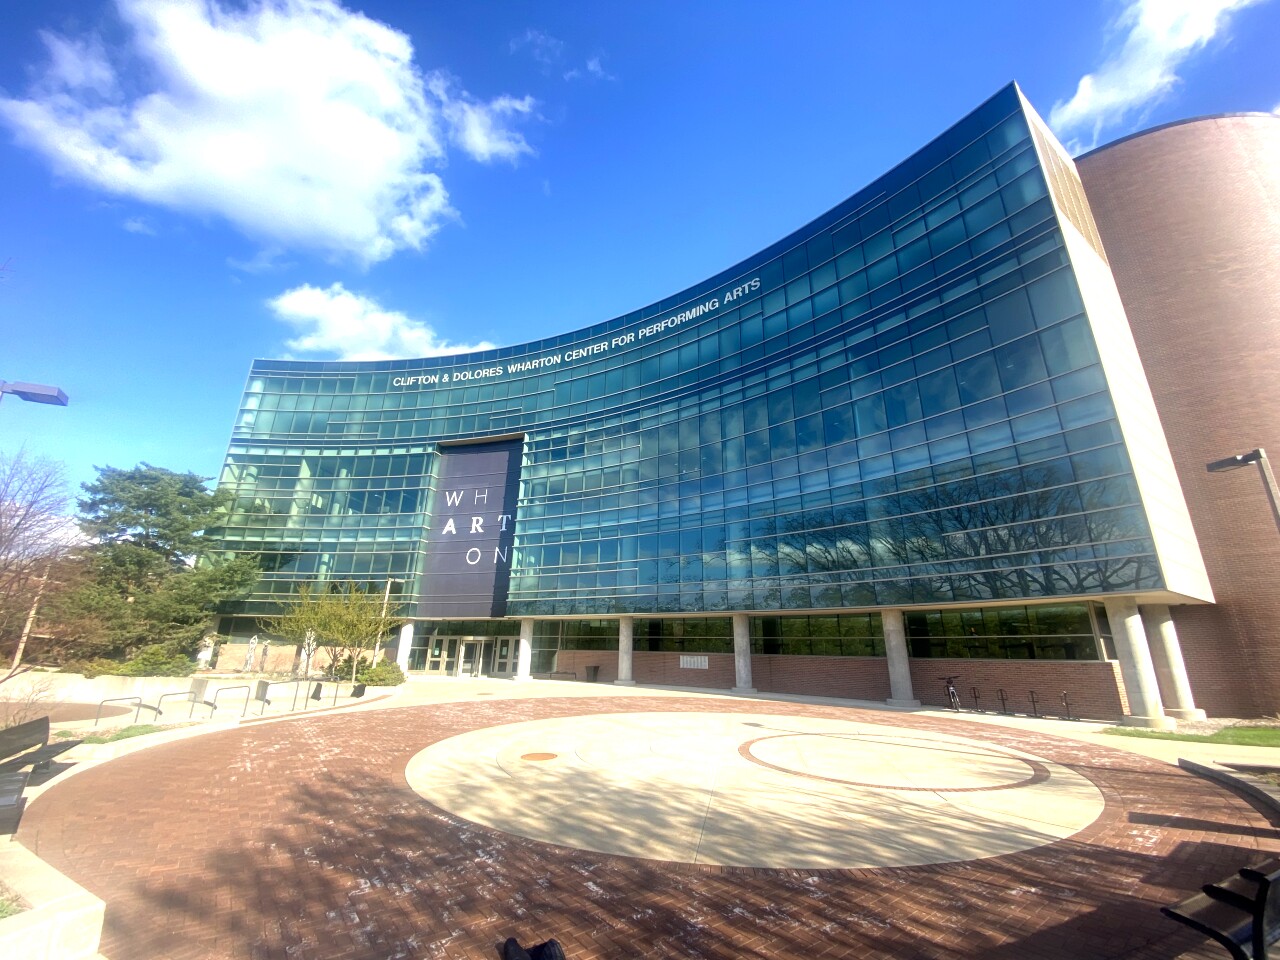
[(92, 668), (157, 660), (340, 669), (386, 674)]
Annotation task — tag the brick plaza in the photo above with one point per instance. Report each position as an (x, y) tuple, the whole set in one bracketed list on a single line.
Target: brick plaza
[(302, 839)]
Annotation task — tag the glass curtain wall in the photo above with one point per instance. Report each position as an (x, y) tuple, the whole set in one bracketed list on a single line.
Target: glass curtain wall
[(899, 405)]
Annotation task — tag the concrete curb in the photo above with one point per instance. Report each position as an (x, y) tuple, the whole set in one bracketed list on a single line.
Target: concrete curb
[(63, 921), (1241, 778)]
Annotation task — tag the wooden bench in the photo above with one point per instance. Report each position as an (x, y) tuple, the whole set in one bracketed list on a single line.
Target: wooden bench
[(1241, 912), (27, 745), (563, 675)]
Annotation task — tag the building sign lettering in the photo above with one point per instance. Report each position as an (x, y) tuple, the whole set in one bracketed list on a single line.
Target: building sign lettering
[(625, 339)]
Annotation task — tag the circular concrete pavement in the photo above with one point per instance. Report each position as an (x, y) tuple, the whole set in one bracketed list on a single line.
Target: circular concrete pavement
[(755, 790), (303, 839)]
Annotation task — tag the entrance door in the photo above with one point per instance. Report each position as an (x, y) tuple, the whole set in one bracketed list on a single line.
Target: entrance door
[(469, 664)]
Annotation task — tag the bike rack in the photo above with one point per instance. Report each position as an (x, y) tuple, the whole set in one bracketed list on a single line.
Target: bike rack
[(973, 692), (164, 696), (1035, 707), (103, 703), (1004, 702), (1066, 707), (221, 690)]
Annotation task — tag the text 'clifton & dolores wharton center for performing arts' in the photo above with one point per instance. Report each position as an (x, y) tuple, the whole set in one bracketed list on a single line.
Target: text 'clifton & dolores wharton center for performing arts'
[(957, 425)]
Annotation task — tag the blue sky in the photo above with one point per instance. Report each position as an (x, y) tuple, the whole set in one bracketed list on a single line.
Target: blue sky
[(190, 184)]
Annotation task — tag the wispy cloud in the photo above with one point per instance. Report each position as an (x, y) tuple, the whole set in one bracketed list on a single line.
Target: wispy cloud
[(334, 322), (1148, 42), (542, 46), (549, 53), (302, 124), (139, 225)]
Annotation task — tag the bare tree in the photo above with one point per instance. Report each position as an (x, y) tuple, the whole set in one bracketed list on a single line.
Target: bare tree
[(34, 533)]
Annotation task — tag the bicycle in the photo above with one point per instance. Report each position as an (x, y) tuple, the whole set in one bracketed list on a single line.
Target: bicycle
[(952, 695)]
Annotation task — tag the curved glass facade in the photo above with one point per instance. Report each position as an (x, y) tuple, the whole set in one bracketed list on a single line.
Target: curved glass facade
[(902, 404)]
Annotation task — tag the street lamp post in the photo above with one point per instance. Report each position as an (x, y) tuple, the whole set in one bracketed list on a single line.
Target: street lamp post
[(1258, 456), (34, 392)]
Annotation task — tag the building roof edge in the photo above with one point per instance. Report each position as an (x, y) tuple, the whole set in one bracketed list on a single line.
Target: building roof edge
[(1175, 123)]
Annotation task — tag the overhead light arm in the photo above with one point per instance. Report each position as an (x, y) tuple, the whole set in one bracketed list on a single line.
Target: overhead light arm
[(34, 393), (1258, 456)]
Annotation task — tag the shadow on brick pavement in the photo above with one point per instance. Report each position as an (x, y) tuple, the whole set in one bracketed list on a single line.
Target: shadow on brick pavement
[(302, 840)]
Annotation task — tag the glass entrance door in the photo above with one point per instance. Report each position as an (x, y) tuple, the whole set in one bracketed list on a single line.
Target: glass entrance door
[(469, 663)]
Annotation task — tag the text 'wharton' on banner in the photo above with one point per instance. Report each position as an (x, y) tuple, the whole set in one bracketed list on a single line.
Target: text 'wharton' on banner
[(472, 528)]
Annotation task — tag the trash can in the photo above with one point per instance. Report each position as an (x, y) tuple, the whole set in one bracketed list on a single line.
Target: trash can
[(315, 694), (357, 690), (261, 694), (593, 671)]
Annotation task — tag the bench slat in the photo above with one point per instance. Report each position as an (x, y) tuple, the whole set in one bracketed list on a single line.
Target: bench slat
[(1237, 891), (11, 787), (23, 736), (1230, 926)]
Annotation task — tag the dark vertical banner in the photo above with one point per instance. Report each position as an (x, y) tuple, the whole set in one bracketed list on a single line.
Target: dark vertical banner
[(471, 530)]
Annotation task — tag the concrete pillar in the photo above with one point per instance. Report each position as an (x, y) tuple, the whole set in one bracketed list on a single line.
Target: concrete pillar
[(626, 626), (1166, 656), (901, 693), (742, 654), (404, 645), (524, 655), (1136, 668)]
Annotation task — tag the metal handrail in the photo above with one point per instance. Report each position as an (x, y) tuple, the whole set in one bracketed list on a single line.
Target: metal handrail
[(103, 703), (185, 694), (221, 690)]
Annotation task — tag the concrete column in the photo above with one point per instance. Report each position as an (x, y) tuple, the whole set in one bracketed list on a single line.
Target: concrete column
[(1166, 656), (901, 693), (626, 626), (1136, 668), (524, 655), (404, 645), (742, 654)]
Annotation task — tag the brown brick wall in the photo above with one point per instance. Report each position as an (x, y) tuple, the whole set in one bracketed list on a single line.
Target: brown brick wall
[(1092, 687), (1190, 216), (662, 669), (281, 658)]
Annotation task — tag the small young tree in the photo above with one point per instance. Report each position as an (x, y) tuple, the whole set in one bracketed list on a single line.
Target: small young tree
[(346, 619)]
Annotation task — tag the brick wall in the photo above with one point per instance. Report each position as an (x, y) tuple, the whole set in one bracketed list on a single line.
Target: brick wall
[(1190, 220), (1093, 687), (661, 668), (280, 658), (851, 678)]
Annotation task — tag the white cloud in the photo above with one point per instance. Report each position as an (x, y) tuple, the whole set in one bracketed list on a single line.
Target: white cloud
[(301, 123), (1276, 109), (139, 225), (1158, 36), (542, 46), (478, 127), (550, 53), (336, 322)]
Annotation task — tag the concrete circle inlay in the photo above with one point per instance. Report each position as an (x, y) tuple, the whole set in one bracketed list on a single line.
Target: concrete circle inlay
[(951, 767), (754, 790)]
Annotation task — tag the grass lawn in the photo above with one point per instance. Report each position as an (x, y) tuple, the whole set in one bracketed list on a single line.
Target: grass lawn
[(1234, 736), (124, 733), (10, 903)]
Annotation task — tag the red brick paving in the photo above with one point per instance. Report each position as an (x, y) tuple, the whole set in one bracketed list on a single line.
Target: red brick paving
[(302, 840)]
